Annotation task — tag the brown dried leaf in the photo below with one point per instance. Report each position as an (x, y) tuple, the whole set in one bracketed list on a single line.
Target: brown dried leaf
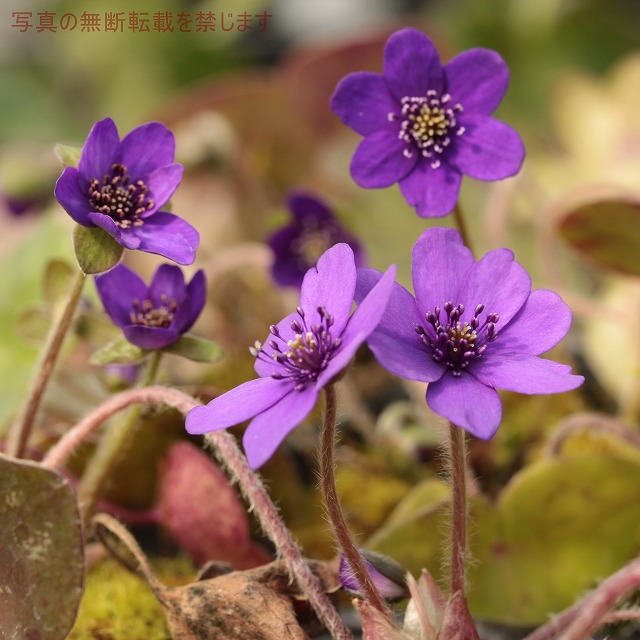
[(258, 603)]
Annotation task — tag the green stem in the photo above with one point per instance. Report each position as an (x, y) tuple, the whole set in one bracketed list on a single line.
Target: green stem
[(462, 226), (334, 509), (110, 448), (458, 510), (19, 434)]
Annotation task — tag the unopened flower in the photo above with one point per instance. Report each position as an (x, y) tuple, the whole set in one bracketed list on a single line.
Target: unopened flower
[(154, 316), (304, 352), (121, 185), (312, 231), (387, 575), (424, 125), (471, 328)]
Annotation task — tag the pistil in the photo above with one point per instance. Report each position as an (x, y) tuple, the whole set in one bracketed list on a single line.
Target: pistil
[(119, 198), (455, 344), (427, 123)]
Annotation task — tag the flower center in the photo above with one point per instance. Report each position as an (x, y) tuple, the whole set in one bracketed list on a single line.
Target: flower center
[(148, 315), (310, 245), (124, 201), (456, 344), (304, 357), (427, 124)]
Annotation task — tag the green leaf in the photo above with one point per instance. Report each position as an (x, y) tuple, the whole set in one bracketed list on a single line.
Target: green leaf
[(41, 552), (558, 527), (96, 251), (195, 348), (68, 155), (606, 231), (33, 324), (57, 281), (118, 351)]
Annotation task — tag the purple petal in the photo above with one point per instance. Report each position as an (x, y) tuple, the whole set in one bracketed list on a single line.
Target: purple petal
[(524, 374), (433, 192), (499, 283), (118, 289), (169, 236), (127, 238), (364, 320), (477, 79), (99, 150), (440, 262), (467, 403), (196, 297), (168, 280), (488, 149), (540, 324), (150, 337), (303, 205), (147, 148), (162, 184), (412, 64), (395, 342), (330, 284), (363, 102), (70, 195), (379, 160), (269, 428), (237, 405)]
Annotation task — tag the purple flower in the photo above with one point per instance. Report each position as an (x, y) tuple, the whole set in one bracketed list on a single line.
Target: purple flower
[(424, 125), (154, 316), (387, 575), (313, 230), (121, 186), (304, 352), (471, 328)]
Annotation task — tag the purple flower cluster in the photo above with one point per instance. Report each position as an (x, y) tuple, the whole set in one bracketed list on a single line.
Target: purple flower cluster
[(121, 186), (472, 327), (424, 125), (312, 230), (154, 316), (303, 353)]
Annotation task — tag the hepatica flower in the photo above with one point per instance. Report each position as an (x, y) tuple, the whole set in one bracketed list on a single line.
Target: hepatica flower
[(121, 186), (154, 316), (472, 327), (304, 352), (298, 246), (424, 125)]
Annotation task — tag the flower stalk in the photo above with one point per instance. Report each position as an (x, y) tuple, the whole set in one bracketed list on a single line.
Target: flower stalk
[(334, 509), (457, 471), (231, 458), (19, 434), (110, 448)]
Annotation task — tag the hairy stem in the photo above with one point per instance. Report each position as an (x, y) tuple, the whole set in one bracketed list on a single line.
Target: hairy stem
[(334, 509), (110, 448), (231, 458), (458, 509), (19, 434)]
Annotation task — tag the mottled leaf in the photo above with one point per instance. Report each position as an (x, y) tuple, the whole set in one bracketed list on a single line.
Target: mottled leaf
[(96, 251), (558, 526), (41, 552), (195, 348), (605, 231)]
